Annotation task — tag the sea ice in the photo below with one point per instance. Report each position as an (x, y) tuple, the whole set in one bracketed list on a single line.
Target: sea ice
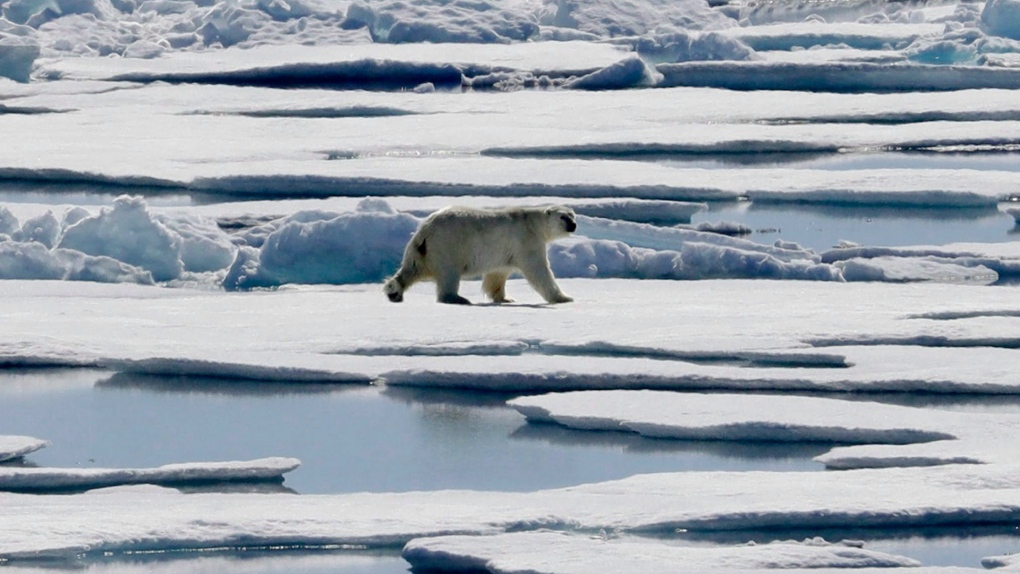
[(49, 479), (12, 447), (903, 436)]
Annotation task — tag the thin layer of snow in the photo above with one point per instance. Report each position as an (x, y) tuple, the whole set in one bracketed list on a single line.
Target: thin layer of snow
[(145, 518), (48, 479), (563, 553), (13, 446)]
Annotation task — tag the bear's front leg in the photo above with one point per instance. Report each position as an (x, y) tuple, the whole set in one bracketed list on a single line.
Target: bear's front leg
[(540, 277), (447, 286)]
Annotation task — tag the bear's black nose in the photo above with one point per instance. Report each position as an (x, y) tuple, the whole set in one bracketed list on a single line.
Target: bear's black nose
[(396, 297), (571, 226)]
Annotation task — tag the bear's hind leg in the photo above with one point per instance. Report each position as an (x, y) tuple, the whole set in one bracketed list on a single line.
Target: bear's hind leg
[(447, 286), (494, 285)]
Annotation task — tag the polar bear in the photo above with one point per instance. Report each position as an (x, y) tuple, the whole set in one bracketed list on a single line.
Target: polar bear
[(464, 241)]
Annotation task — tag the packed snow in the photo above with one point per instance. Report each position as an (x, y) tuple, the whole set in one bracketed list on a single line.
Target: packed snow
[(167, 209)]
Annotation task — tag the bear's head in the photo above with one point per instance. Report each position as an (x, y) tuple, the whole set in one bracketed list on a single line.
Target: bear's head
[(561, 220), (394, 290)]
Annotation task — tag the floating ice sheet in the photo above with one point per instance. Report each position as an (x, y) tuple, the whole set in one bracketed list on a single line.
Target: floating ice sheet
[(30, 479), (13, 446), (563, 553), (903, 436), (152, 518)]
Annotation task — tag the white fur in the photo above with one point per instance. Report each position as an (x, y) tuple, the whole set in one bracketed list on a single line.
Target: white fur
[(493, 243)]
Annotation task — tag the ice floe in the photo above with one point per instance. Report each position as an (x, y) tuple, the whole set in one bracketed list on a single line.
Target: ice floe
[(902, 436), (145, 517), (31, 479), (569, 553), (12, 447)]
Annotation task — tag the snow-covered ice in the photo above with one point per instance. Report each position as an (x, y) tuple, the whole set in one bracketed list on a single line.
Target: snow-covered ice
[(12, 447), (60, 479), (566, 553), (146, 517), (923, 437)]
